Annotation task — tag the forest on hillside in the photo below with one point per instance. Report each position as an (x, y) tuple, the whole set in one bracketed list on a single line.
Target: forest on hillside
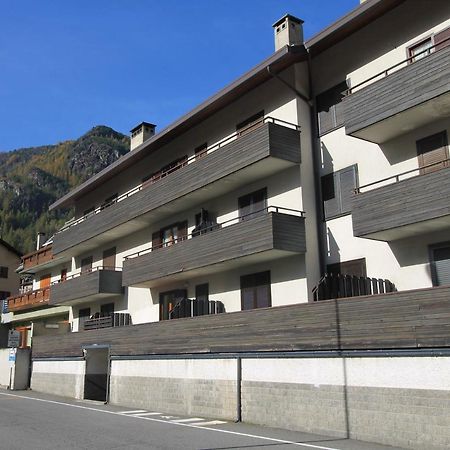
[(31, 179)]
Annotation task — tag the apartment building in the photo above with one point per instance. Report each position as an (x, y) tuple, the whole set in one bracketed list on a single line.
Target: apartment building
[(239, 204), (321, 173), (28, 310)]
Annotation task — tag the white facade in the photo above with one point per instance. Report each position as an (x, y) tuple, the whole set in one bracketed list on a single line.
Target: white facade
[(290, 95)]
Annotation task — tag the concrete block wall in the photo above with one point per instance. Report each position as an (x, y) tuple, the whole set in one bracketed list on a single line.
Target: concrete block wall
[(400, 401), (65, 378), (205, 387)]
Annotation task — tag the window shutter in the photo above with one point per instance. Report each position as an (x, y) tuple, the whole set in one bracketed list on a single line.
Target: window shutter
[(347, 183), (182, 230), (337, 191), (330, 197), (440, 39), (156, 240), (441, 258), (432, 150)]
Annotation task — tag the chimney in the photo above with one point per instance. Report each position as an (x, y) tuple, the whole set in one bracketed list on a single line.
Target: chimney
[(140, 133), (288, 31), (40, 240)]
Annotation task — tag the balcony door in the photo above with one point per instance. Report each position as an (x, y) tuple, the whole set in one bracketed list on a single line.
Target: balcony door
[(440, 264), (255, 291), (45, 281), (252, 205), (109, 258), (168, 300), (433, 150), (86, 264)]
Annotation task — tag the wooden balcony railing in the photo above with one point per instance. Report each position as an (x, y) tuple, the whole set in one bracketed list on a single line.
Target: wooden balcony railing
[(333, 286), (41, 256), (30, 300), (107, 321)]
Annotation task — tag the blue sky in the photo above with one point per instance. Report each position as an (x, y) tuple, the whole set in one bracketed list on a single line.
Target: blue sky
[(66, 66)]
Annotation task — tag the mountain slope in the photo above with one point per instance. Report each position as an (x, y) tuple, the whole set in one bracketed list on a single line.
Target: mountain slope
[(33, 178)]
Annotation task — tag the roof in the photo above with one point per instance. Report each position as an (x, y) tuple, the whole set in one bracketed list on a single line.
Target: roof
[(283, 58), (10, 248), (353, 21), (148, 124), (288, 16)]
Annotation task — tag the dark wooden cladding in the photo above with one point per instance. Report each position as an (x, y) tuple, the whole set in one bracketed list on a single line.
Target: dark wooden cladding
[(89, 284), (263, 233), (400, 320), (408, 202), (410, 86), (269, 140)]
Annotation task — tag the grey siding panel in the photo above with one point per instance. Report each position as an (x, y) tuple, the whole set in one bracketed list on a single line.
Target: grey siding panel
[(93, 283), (400, 320), (266, 232), (269, 140), (417, 199), (408, 87)]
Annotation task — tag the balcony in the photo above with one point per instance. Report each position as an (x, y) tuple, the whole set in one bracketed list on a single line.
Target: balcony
[(96, 284), (400, 99), (30, 300), (265, 235), (251, 154), (403, 206), (40, 259), (107, 321)]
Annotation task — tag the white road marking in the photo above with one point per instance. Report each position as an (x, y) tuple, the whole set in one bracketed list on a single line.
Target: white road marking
[(193, 419), (188, 425), (169, 417), (132, 412), (211, 422), (147, 414)]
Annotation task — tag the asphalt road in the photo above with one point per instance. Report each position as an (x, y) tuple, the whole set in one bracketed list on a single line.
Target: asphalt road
[(41, 422)]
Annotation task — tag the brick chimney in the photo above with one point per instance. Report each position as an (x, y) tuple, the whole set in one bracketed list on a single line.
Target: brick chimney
[(288, 31), (140, 133)]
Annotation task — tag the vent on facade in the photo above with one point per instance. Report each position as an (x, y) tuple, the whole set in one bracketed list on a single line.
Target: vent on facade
[(288, 31), (140, 133)]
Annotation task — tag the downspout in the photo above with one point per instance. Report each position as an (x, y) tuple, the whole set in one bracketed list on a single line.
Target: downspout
[(311, 101), (238, 389), (315, 143)]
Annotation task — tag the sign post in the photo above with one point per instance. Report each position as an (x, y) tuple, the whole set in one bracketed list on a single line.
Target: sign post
[(13, 339)]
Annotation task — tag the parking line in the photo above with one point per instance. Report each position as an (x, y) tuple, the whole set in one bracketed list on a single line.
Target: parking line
[(188, 425), (132, 412)]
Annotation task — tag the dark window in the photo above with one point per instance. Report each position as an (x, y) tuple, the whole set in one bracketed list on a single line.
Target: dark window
[(440, 264), (355, 267), (433, 151), (201, 151), (168, 300), (255, 291), (202, 292), (86, 264), (110, 200), (88, 211), (63, 274), (107, 309), (250, 123), (329, 108), (109, 258), (170, 235), (420, 49), (4, 295), (3, 272), (337, 191), (252, 205), (83, 315)]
